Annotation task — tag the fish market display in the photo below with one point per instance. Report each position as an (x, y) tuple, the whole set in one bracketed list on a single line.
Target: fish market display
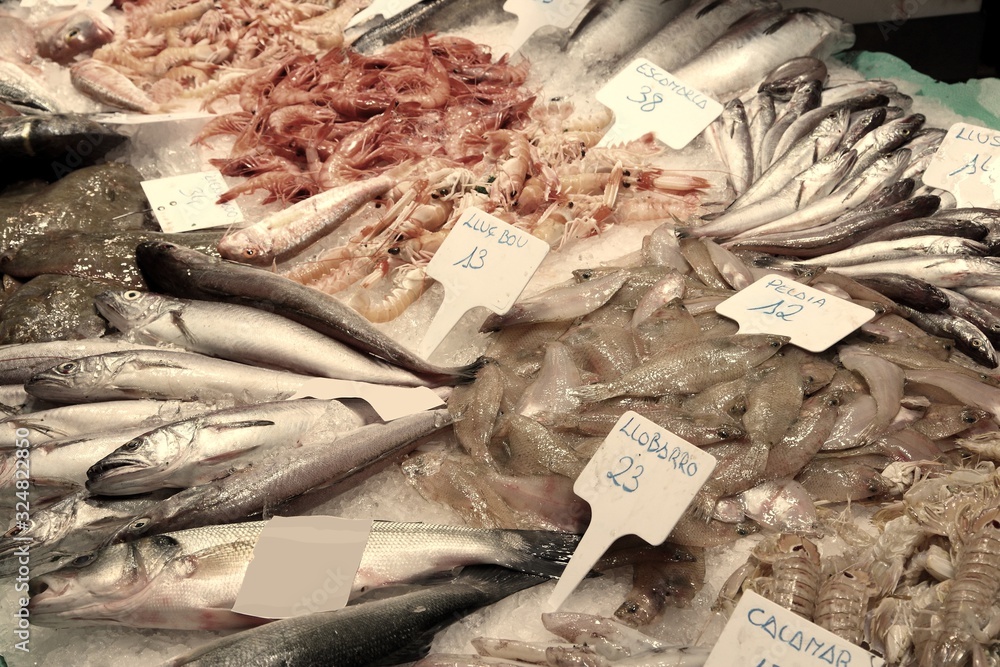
[(165, 394)]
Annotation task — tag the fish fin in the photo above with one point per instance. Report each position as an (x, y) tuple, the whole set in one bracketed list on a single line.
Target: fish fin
[(227, 456), (541, 552), (216, 560), (415, 650), (143, 364), (250, 423), (709, 8), (178, 320), (779, 24)]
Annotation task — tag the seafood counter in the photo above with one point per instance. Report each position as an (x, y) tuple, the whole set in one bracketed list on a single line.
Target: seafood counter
[(165, 392)]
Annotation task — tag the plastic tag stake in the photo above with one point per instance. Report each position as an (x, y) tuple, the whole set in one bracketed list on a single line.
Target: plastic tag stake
[(813, 320), (482, 262), (388, 401), (639, 482), (645, 98), (302, 565), (967, 164)]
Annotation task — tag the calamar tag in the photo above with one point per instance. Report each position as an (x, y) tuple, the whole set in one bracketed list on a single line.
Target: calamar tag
[(482, 262), (639, 482), (813, 320), (186, 202), (384, 8), (646, 98), (390, 402), (763, 634), (302, 565), (535, 14), (967, 164)]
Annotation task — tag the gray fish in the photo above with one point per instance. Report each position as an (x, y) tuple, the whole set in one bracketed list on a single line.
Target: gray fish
[(40, 142), (785, 79), (737, 150), (925, 226), (187, 273), (762, 116), (913, 246), (838, 480), (391, 30), (362, 634), (846, 91), (562, 302), (694, 29), (758, 43), (808, 121), (955, 271), (962, 306), (161, 374), (20, 89), (862, 123), (316, 468), (908, 291), (804, 99), (51, 308), (261, 339), (18, 362), (885, 139), (968, 338)]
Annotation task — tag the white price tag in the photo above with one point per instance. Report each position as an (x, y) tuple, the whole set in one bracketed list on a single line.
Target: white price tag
[(384, 8), (645, 98), (119, 118), (482, 262), (534, 14), (639, 482), (814, 320), (388, 401), (967, 164), (763, 634), (302, 565), (186, 202)]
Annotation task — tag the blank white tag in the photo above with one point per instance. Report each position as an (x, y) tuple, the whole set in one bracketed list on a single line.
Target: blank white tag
[(967, 164), (186, 202), (534, 14), (639, 482), (389, 402), (814, 320), (302, 565), (646, 98), (482, 262), (763, 634)]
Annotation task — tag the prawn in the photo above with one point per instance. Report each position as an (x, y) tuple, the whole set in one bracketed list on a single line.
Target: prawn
[(408, 283), (842, 602)]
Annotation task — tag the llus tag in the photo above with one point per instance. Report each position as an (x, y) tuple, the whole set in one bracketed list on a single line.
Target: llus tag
[(640, 481), (812, 318), (967, 164), (763, 634), (302, 565)]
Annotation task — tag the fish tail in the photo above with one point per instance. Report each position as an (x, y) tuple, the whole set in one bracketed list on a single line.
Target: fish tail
[(541, 552), (468, 372), (592, 393), (497, 582)]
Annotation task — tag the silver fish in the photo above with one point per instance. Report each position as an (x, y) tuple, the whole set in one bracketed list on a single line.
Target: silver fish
[(804, 99), (784, 79), (951, 271), (563, 302), (261, 339), (24, 91), (885, 139), (898, 248), (18, 362)]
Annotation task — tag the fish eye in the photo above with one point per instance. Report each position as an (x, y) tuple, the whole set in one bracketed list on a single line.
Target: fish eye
[(132, 445), (723, 433), (874, 487), (72, 34), (131, 295), (249, 252), (969, 418), (67, 368), (743, 531), (977, 343), (82, 561), (139, 524), (775, 343)]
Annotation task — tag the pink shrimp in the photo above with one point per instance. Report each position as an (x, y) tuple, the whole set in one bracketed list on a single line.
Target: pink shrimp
[(408, 283)]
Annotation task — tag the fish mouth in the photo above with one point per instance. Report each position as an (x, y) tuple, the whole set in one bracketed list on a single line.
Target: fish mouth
[(46, 593), (114, 468)]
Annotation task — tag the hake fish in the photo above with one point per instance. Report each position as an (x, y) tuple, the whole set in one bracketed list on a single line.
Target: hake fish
[(363, 634), (189, 579), (261, 339), (187, 273)]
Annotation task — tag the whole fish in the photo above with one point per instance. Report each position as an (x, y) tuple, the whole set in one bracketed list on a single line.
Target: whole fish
[(160, 593), (762, 116), (885, 139), (733, 130), (23, 91), (363, 634), (562, 302), (161, 374), (187, 273), (281, 476), (840, 480), (691, 31), (945, 271), (804, 98), (759, 42), (923, 226), (784, 79), (908, 291), (292, 229), (65, 36), (879, 251), (18, 362), (103, 83), (808, 121), (967, 336), (261, 339), (37, 142), (862, 123), (688, 367), (985, 320), (198, 450)]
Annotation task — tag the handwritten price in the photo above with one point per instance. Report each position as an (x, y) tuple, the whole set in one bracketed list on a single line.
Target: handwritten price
[(635, 478), (786, 314), (647, 102), (972, 166)]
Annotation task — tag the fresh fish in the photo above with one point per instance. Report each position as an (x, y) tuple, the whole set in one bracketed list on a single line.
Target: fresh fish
[(840, 233), (558, 303), (908, 291), (880, 251), (613, 28), (840, 480), (694, 29), (281, 476), (942, 420), (161, 374), (611, 638), (39, 144), (762, 116), (862, 123), (262, 339), (784, 506), (19, 43), (668, 324), (23, 91), (67, 35), (946, 271), (688, 367), (105, 84), (804, 98), (805, 437), (51, 308), (658, 584), (533, 449), (773, 402), (963, 388), (107, 257), (201, 594), (198, 450), (846, 91), (363, 634), (187, 273), (885, 139), (923, 226), (475, 407), (396, 27), (761, 41), (18, 362), (985, 320), (737, 150), (808, 121), (85, 418), (885, 381), (967, 336), (784, 79)]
